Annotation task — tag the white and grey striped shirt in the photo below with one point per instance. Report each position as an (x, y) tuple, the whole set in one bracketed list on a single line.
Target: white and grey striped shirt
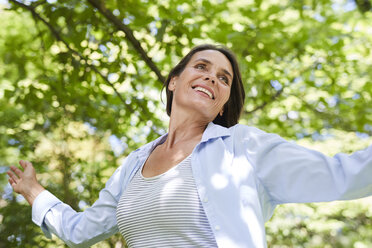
[(164, 211)]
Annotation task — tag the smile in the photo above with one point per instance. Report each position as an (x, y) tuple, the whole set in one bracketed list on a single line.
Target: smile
[(204, 90)]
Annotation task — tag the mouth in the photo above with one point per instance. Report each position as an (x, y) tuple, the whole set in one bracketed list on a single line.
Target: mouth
[(205, 91)]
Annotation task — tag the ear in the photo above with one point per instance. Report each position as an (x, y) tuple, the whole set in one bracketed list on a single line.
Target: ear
[(221, 112), (172, 84)]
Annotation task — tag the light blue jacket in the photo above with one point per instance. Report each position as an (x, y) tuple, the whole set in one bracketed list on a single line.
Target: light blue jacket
[(241, 174)]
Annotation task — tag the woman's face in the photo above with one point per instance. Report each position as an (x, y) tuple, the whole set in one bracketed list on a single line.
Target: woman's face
[(204, 85)]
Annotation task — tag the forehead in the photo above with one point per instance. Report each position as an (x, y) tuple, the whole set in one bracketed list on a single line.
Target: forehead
[(215, 57)]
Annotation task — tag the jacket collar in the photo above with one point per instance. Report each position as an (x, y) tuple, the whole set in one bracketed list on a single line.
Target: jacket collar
[(214, 131), (211, 132), (149, 147)]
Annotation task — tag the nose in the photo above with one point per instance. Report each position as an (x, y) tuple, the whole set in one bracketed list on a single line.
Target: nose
[(209, 78)]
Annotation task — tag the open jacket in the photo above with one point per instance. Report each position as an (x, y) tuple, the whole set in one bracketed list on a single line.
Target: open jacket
[(241, 174)]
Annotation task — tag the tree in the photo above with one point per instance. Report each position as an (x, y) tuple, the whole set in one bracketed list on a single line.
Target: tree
[(81, 73)]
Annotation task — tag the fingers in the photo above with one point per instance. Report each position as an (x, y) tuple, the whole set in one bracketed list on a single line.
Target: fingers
[(24, 164), (17, 171), (12, 177), (12, 182), (15, 174)]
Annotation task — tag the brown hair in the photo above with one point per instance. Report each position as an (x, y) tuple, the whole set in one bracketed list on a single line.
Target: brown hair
[(234, 105)]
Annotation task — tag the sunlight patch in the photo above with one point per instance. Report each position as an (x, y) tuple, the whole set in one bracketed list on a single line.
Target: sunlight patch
[(219, 181)]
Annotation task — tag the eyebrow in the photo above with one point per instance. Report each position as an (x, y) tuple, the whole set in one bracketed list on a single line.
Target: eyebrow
[(209, 62)]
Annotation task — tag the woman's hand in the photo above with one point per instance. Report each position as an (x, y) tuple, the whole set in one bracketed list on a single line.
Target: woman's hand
[(25, 182)]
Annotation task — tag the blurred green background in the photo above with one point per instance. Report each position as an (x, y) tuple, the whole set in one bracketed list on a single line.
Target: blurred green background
[(80, 88)]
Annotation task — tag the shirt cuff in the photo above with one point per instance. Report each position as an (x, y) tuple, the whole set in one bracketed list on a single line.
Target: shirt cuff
[(40, 207)]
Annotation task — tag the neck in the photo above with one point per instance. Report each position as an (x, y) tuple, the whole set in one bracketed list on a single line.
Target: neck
[(184, 127)]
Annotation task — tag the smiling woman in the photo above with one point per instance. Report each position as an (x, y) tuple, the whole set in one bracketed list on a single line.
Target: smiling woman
[(200, 88), (233, 107), (209, 181)]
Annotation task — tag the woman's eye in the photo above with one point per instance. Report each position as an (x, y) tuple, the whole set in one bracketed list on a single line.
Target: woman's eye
[(224, 79), (200, 66)]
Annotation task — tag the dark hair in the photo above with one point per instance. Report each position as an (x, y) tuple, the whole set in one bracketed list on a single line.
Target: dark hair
[(234, 105)]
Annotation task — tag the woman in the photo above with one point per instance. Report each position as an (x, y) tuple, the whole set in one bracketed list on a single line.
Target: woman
[(208, 182)]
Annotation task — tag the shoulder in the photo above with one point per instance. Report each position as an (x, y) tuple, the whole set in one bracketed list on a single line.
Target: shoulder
[(147, 148), (237, 131), (237, 134), (244, 129), (243, 132), (253, 136), (215, 130)]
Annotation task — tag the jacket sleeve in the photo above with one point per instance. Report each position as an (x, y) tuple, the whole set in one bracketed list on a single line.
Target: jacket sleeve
[(80, 229), (294, 174)]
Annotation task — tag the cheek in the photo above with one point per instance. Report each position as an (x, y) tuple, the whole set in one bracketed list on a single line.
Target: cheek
[(227, 93)]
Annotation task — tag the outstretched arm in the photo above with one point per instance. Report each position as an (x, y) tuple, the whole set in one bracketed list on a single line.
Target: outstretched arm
[(25, 182), (76, 229), (294, 174)]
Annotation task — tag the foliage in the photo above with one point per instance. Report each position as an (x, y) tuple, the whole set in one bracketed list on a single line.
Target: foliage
[(78, 76)]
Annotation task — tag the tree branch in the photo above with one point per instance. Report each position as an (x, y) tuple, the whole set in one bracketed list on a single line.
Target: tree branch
[(59, 38), (329, 116), (279, 92), (99, 5), (81, 57), (272, 98)]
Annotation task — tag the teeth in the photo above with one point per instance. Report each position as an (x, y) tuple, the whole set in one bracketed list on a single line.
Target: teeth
[(205, 91)]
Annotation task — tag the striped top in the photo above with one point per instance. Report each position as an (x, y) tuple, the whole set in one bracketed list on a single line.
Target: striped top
[(164, 211)]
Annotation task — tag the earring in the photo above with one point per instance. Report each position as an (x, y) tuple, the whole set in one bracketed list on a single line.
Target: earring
[(221, 112)]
